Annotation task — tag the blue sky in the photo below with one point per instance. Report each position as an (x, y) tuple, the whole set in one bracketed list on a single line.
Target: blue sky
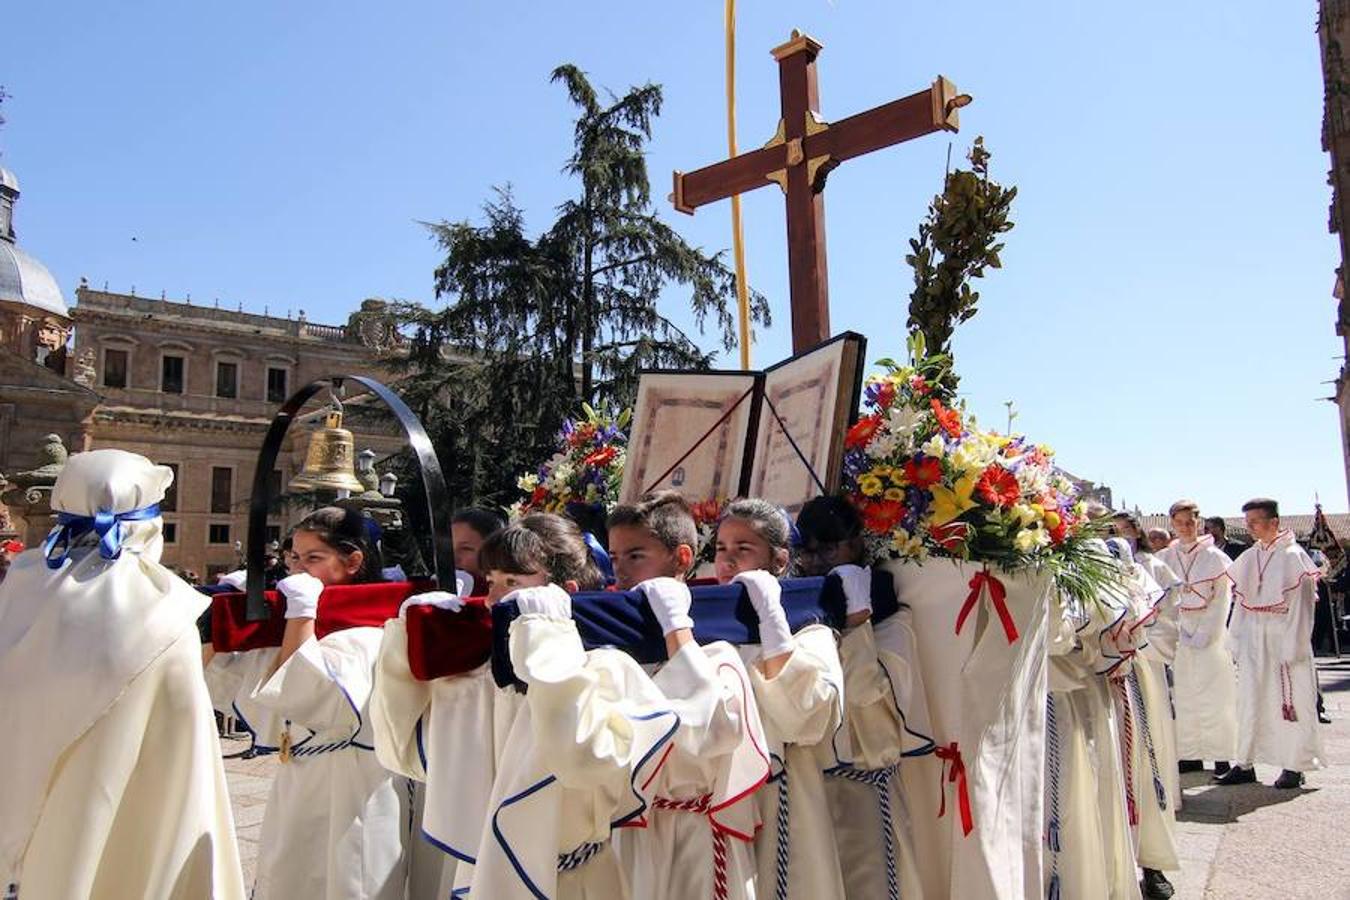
[(1164, 320)]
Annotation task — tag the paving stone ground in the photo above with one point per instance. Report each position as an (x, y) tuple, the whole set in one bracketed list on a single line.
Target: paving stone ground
[(1237, 843)]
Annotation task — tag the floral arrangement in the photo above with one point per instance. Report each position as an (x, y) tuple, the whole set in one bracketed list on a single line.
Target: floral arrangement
[(928, 480), (586, 471), (707, 513)]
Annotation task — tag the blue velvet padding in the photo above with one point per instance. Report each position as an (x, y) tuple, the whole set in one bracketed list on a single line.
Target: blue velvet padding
[(624, 621)]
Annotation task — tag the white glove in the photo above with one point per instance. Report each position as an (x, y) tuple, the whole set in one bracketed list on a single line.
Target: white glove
[(766, 596), (463, 583), (236, 579), (302, 592), (857, 582), (669, 599), (438, 599), (549, 601), (393, 573)]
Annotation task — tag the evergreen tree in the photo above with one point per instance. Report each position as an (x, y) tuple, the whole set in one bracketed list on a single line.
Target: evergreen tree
[(536, 326)]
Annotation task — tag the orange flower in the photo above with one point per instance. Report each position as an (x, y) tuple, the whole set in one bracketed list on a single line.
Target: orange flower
[(948, 419), (600, 457), (998, 487), (923, 473), (862, 431), (881, 516)]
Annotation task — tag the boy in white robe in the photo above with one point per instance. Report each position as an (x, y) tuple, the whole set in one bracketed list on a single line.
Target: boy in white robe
[(1276, 587), (1204, 679), (113, 785)]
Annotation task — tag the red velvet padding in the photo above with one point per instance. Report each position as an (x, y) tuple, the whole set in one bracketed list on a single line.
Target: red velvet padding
[(441, 642), (341, 607)]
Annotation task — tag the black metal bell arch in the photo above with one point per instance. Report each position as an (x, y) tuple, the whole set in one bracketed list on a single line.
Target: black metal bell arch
[(433, 484)]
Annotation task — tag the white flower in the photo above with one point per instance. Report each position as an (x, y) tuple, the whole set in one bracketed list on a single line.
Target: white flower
[(935, 447), (1028, 539)]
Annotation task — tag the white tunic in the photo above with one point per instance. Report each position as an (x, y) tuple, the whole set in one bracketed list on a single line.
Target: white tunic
[(1204, 679), (802, 709), (337, 821), (985, 694), (111, 785), (1088, 851), (1276, 589), (701, 824), (872, 826)]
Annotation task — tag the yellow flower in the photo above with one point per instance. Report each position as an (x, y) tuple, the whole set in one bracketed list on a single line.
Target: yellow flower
[(1026, 514), (895, 493), (1028, 539), (898, 477), (870, 485), (1051, 519), (948, 503)]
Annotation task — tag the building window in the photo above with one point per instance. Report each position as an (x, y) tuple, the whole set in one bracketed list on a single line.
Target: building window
[(273, 535), (218, 533), (170, 501), (222, 489), (114, 367), (276, 384), (170, 532), (227, 380), (171, 374)]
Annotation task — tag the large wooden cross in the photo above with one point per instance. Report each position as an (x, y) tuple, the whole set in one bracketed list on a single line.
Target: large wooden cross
[(798, 159)]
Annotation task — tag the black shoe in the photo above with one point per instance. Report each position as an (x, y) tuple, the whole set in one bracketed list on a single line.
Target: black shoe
[(1236, 775), (1190, 765), (1156, 885), (1289, 780), (1221, 767), (1323, 718)]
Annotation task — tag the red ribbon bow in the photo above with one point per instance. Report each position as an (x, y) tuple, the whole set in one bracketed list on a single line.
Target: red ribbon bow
[(997, 593), (957, 774)]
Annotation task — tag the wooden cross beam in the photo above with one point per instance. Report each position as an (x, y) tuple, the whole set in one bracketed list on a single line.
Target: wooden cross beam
[(798, 159)]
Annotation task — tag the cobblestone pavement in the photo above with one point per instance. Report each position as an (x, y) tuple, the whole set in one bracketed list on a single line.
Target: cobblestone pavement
[(1241, 842)]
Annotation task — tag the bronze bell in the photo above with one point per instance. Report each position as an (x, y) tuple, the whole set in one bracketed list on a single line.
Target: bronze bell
[(330, 459)]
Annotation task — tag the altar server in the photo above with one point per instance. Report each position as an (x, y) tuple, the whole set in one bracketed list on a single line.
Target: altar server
[(884, 720), (1275, 583), (653, 538), (1204, 680), (798, 682), (112, 784), (336, 821), (1144, 718)]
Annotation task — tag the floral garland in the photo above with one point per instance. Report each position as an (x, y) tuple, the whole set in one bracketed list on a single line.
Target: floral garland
[(585, 472), (928, 481)]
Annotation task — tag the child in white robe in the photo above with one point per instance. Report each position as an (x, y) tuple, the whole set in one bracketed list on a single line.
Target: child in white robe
[(1276, 587), (112, 784), (799, 687), (336, 821), (1204, 679), (885, 720)]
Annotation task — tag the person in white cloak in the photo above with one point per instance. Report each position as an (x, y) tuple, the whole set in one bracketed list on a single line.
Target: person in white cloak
[(1144, 721), (885, 719), (1276, 587), (1204, 683), (336, 820), (798, 682), (1086, 834), (113, 787)]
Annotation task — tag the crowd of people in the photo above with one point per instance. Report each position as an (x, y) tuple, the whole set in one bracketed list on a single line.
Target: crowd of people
[(771, 768)]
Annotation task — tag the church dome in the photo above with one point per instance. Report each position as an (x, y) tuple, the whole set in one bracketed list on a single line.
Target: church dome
[(25, 280), (22, 278)]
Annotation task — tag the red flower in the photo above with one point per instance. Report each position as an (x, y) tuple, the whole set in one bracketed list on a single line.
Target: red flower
[(600, 457), (998, 486), (950, 537), (923, 473), (862, 431), (707, 512), (881, 516), (539, 496), (885, 394), (948, 419), (919, 385)]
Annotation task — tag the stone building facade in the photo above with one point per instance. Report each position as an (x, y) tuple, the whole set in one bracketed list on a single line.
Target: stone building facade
[(1333, 32), (196, 388)]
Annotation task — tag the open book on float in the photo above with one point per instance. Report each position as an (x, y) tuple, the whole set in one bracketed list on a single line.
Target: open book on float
[(776, 434)]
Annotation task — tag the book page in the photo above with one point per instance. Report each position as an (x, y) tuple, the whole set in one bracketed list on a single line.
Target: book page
[(806, 410), (689, 434)]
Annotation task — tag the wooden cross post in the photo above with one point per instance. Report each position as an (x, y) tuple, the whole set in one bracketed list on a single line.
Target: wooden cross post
[(798, 159)]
